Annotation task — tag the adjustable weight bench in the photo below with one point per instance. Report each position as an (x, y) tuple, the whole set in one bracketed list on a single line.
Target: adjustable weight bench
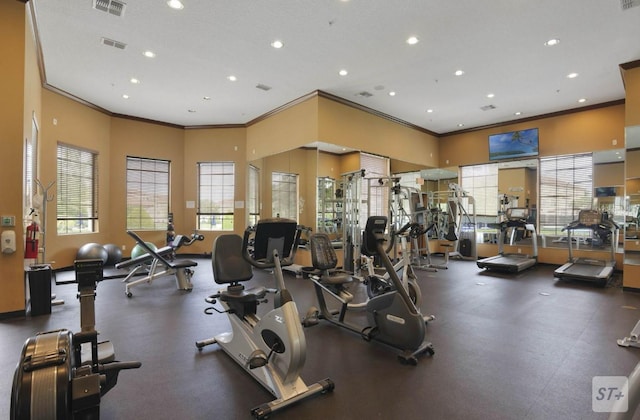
[(159, 266)]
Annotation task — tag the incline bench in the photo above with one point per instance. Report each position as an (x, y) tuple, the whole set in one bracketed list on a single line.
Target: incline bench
[(157, 264)]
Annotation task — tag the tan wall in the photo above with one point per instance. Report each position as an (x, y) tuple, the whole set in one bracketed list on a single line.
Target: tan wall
[(292, 128), (608, 174), (399, 166), (632, 96), (525, 178), (532, 187), (632, 159), (586, 131), (299, 161), (346, 126), (633, 186), (12, 130), (69, 122), (513, 178), (146, 140), (350, 163), (208, 145), (329, 165)]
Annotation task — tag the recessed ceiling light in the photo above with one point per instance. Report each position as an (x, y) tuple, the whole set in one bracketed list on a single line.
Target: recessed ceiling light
[(206, 98), (175, 4), (552, 42), (277, 44), (412, 40), (392, 93), (149, 54), (232, 78), (343, 72), (572, 75), (429, 110), (459, 72), (125, 96), (460, 125), (517, 113), (490, 95), (581, 100), (134, 81)]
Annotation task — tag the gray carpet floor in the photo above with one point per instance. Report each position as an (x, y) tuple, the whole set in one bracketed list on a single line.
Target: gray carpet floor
[(522, 346)]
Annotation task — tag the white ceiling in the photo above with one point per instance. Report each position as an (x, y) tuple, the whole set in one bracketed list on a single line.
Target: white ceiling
[(499, 44)]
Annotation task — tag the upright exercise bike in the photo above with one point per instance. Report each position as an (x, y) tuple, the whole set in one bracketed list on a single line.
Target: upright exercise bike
[(56, 377), (393, 318), (272, 348)]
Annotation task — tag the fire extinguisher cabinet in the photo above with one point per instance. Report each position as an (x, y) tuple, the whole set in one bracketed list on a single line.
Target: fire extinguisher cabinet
[(39, 289)]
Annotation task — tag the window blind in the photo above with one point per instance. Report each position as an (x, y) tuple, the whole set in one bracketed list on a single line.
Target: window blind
[(77, 191), (147, 193)]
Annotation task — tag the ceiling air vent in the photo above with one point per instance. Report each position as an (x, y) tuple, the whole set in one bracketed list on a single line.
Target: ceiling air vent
[(364, 94), (263, 87), (488, 107), (628, 4), (113, 7), (111, 43)]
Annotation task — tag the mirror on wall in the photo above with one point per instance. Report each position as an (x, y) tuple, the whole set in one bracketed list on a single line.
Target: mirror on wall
[(329, 207), (287, 185)]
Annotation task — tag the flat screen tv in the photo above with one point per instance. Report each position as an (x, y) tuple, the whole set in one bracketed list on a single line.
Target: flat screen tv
[(605, 191), (513, 145)]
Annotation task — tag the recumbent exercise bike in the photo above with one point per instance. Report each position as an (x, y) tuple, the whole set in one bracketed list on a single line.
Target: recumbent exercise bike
[(272, 348), (393, 318)]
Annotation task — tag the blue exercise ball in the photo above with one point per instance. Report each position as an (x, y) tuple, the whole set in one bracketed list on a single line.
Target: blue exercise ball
[(138, 250), (92, 251), (114, 254)]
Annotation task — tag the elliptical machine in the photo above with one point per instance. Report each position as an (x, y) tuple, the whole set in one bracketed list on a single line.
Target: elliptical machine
[(55, 378), (393, 318), (272, 348)]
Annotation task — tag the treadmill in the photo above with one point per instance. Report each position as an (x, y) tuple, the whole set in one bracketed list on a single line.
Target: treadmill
[(590, 269), (516, 220)]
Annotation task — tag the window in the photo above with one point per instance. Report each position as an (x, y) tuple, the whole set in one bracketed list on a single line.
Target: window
[(147, 193), (216, 181), (566, 187), (253, 201), (481, 182), (77, 190), (284, 195)]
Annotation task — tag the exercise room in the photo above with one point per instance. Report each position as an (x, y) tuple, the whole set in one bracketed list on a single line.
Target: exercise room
[(320, 210)]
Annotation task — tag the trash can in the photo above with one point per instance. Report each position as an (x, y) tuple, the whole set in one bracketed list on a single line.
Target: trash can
[(39, 278)]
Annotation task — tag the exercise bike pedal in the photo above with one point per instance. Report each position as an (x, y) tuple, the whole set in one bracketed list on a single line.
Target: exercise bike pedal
[(257, 359), (311, 318)]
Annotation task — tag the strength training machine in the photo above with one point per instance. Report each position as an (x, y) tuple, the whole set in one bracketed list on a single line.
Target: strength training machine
[(57, 377), (393, 318), (272, 348)]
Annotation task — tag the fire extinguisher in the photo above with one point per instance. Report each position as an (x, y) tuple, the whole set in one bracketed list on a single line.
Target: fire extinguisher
[(31, 248)]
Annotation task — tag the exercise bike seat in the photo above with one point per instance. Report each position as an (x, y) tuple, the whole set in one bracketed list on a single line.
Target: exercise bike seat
[(240, 294), (229, 267), (324, 258)]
